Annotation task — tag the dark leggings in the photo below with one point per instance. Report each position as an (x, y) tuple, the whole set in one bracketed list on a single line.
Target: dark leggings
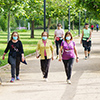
[(58, 44), (86, 45), (45, 66), (68, 67), (15, 62)]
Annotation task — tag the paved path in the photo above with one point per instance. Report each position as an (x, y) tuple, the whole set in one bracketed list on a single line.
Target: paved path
[(85, 79)]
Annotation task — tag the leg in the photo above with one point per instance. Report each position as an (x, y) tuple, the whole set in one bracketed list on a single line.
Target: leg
[(89, 48), (66, 67), (13, 66), (47, 64), (70, 64), (43, 66), (17, 66), (57, 48), (85, 45)]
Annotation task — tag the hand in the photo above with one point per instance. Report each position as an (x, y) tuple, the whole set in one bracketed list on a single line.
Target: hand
[(52, 58), (23, 59), (59, 59), (77, 60), (3, 57), (88, 40)]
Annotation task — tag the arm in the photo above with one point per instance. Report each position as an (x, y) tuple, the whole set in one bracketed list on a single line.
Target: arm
[(22, 51), (52, 50), (37, 50), (63, 34), (60, 53), (90, 36), (6, 50), (82, 36), (77, 58)]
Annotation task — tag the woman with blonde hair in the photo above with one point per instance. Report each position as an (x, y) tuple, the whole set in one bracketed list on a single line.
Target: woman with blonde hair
[(16, 52)]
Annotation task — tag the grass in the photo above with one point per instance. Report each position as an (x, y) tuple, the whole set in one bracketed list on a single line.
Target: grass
[(29, 44)]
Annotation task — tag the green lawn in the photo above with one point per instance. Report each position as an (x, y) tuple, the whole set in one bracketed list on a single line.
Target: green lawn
[(29, 44)]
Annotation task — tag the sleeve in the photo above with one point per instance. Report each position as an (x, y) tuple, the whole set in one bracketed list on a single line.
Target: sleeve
[(51, 46), (74, 44), (63, 32), (38, 45), (21, 48), (8, 47), (62, 43)]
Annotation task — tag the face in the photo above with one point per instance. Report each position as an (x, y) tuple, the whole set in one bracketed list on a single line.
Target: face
[(86, 26), (44, 37), (59, 27), (45, 34), (68, 37), (15, 35)]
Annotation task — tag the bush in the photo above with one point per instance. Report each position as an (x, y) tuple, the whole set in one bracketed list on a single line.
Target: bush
[(22, 30)]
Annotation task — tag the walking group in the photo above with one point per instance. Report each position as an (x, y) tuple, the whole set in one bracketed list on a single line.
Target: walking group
[(65, 50)]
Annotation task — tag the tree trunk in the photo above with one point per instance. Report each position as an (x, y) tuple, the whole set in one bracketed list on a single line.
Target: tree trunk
[(63, 24), (32, 29), (49, 22), (8, 26), (73, 25)]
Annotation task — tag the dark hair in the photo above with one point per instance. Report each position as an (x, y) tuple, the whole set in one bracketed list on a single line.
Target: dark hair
[(67, 34), (13, 34), (86, 24), (43, 33), (59, 25)]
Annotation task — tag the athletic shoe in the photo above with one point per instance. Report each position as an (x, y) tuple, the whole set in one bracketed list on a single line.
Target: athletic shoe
[(88, 55), (68, 81), (12, 79), (45, 79), (85, 57), (17, 78), (57, 57)]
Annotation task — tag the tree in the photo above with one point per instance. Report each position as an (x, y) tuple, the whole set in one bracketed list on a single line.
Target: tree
[(34, 11), (12, 7)]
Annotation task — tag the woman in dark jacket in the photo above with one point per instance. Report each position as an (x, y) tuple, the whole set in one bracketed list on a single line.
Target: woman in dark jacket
[(16, 52)]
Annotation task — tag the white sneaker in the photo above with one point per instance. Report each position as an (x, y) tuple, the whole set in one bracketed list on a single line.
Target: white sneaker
[(68, 81), (45, 79)]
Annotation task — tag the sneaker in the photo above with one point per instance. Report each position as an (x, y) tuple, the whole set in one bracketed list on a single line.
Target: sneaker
[(12, 80), (68, 81), (85, 57), (17, 78), (88, 55), (57, 57), (45, 79)]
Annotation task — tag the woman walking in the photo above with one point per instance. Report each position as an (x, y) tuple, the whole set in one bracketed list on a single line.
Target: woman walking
[(69, 52), (86, 40), (58, 36), (45, 50), (16, 52)]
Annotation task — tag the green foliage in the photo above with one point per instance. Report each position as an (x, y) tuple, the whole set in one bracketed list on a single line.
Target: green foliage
[(3, 23)]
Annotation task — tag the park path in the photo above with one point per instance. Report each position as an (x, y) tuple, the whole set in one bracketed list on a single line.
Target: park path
[(85, 78)]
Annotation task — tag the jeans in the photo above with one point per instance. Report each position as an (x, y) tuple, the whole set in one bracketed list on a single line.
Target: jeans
[(15, 62), (45, 66), (68, 67), (58, 44)]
